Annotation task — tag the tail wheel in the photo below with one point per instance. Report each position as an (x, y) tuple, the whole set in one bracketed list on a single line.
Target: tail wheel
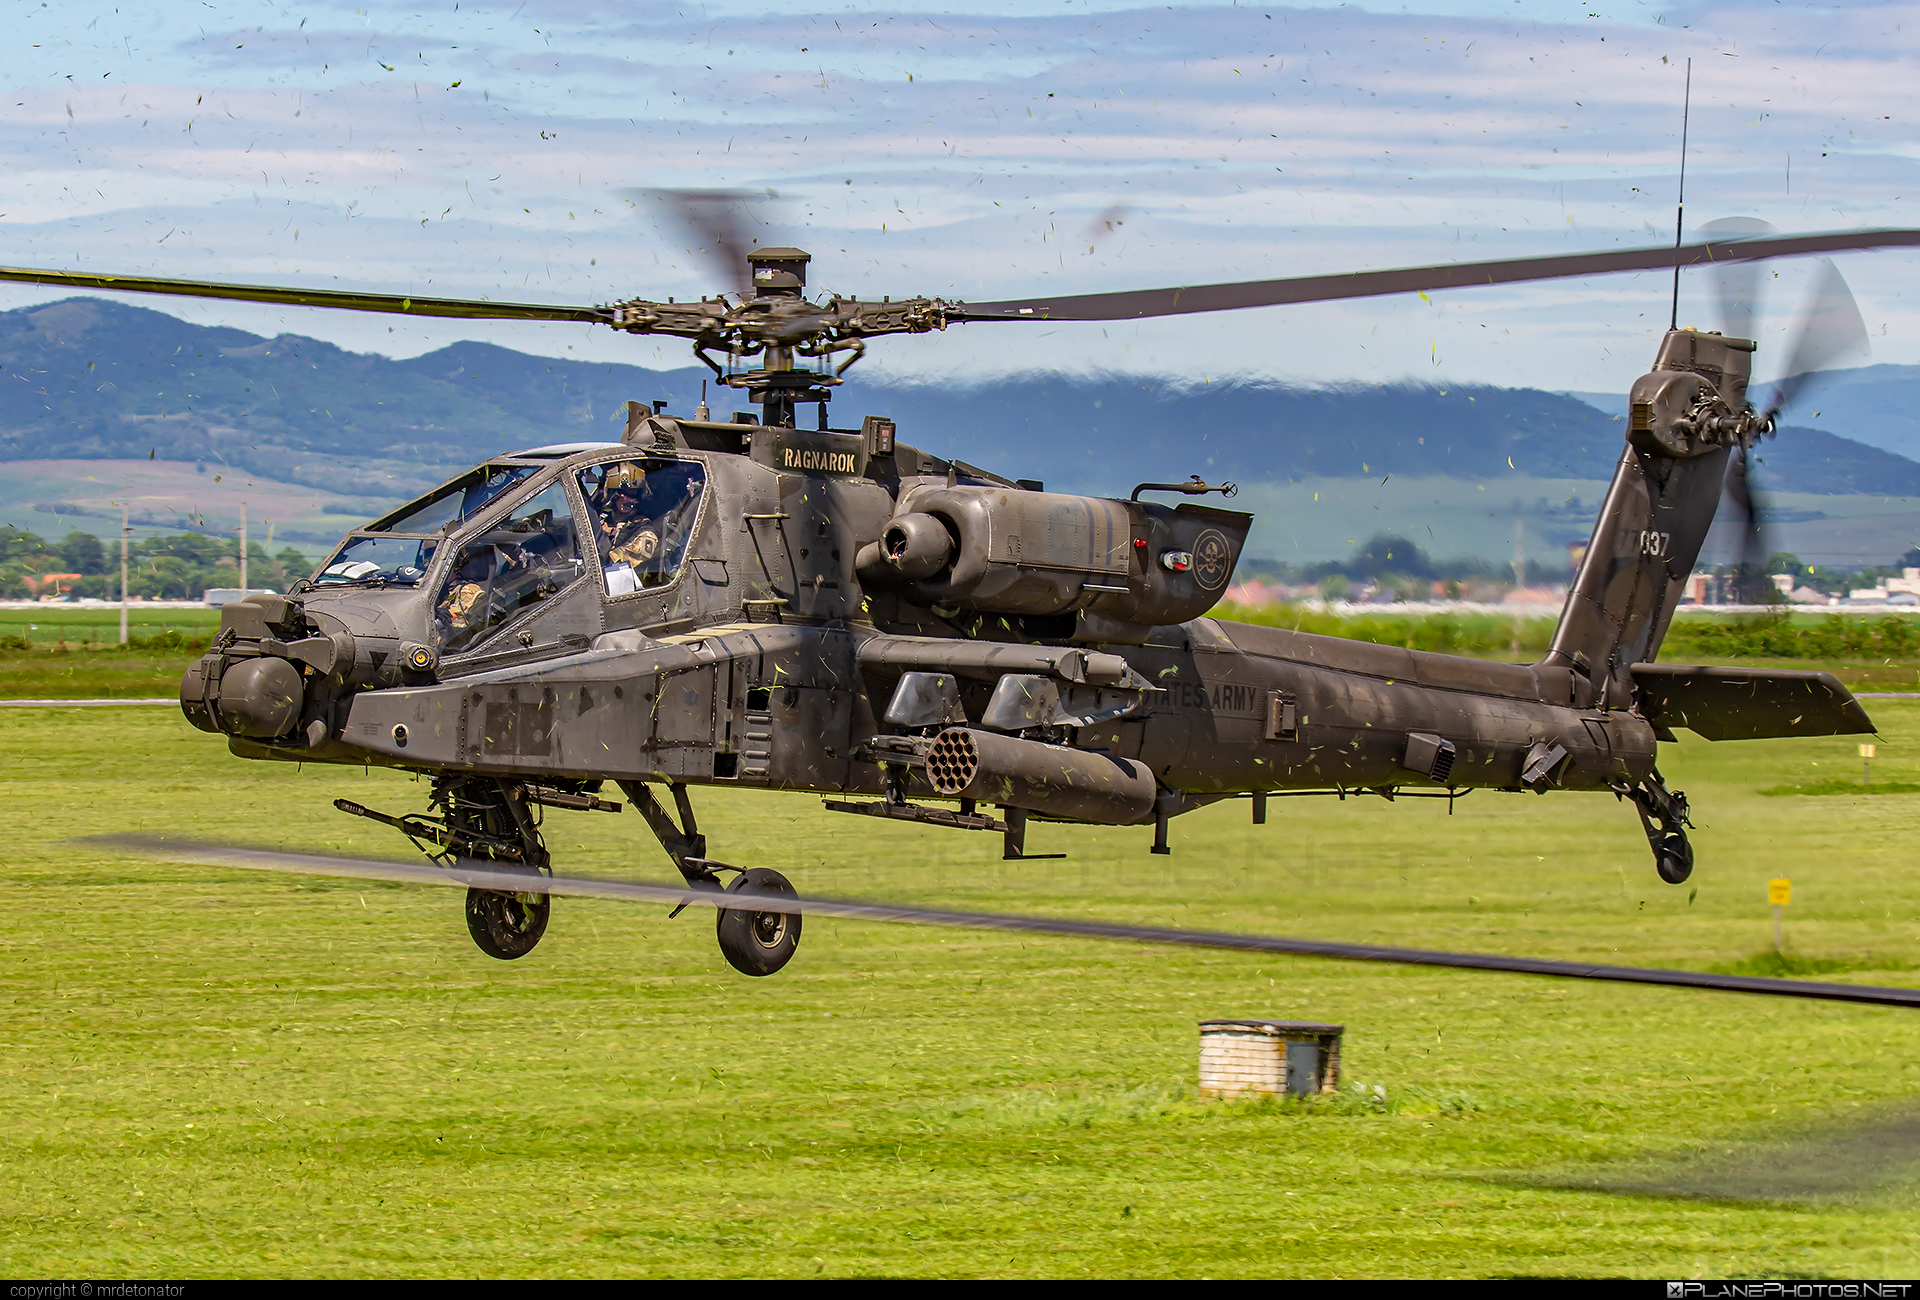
[(506, 926), (1673, 857), (759, 943)]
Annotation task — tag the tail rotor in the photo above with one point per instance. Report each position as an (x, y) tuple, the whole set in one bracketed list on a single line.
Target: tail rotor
[(1751, 584), (1830, 331)]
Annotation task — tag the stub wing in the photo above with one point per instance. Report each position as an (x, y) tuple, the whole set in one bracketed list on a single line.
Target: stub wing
[(1746, 703)]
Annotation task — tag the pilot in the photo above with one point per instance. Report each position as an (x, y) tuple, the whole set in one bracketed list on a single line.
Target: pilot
[(629, 533), (464, 601)]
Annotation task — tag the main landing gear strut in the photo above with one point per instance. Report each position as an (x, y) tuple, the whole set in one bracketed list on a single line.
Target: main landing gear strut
[(754, 943), (1663, 815), (494, 820)]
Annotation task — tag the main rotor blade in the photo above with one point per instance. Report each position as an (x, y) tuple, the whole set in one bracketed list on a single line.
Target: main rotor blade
[(481, 875), (1830, 331), (716, 221), (396, 304), (1140, 303)]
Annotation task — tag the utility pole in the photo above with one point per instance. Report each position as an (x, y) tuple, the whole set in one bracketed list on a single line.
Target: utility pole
[(243, 550), (123, 575), (1519, 577)]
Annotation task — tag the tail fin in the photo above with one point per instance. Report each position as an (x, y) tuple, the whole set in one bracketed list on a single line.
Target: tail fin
[(1688, 415)]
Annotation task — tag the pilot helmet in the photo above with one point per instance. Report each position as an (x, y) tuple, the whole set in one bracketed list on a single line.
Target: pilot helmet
[(625, 482), (625, 475)]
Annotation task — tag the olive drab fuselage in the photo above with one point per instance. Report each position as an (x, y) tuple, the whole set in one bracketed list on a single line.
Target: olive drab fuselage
[(818, 607), (746, 667)]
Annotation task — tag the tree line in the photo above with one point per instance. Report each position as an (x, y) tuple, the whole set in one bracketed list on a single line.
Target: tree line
[(1396, 563), (179, 566)]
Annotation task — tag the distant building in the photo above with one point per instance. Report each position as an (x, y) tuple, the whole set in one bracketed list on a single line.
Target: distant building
[(51, 586), (1890, 590), (1535, 596), (1256, 592)]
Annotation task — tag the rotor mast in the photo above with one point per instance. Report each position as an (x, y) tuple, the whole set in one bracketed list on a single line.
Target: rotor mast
[(779, 280)]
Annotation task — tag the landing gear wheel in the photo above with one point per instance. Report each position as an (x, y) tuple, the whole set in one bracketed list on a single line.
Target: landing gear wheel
[(506, 925), (1673, 858), (1663, 815), (759, 943)]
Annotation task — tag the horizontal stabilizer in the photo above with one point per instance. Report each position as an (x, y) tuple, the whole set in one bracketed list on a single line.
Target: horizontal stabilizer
[(1747, 703)]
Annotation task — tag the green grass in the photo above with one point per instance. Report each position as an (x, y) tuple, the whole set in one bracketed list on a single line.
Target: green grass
[(1781, 965), (1851, 787), (50, 653), (90, 674), (217, 1072), (1482, 635), (49, 623)]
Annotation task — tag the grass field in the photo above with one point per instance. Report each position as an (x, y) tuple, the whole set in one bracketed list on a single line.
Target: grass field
[(74, 652), (214, 1072)]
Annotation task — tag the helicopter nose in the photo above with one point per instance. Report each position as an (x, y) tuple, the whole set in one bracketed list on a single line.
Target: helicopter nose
[(258, 697)]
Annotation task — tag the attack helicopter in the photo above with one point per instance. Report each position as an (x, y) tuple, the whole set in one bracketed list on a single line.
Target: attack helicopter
[(744, 602)]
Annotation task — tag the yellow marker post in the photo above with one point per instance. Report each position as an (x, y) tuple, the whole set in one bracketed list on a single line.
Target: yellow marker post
[(1866, 765), (1779, 893)]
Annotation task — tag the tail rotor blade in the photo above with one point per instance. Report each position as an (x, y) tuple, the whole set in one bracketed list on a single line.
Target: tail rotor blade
[(1739, 499), (1831, 330), (1754, 552), (1744, 495), (1737, 284)]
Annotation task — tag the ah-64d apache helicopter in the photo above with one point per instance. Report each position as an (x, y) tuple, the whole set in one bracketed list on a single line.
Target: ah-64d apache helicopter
[(746, 603)]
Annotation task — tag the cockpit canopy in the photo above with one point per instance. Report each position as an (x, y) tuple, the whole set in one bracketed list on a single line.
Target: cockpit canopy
[(643, 511), (412, 533), (451, 504), (519, 534)]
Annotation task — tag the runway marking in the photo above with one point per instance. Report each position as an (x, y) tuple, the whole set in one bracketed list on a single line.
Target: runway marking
[(77, 704)]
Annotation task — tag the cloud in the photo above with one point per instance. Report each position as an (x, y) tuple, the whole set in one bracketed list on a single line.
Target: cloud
[(964, 153)]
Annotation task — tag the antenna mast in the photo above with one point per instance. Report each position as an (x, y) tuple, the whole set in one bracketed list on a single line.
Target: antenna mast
[(1680, 208)]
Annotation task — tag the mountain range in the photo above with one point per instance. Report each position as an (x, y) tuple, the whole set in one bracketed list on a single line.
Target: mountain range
[(92, 379)]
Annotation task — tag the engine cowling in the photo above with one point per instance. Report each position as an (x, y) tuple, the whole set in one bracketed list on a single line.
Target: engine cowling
[(1011, 551)]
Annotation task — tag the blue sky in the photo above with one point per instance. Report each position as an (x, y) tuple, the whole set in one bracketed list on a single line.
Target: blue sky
[(968, 151)]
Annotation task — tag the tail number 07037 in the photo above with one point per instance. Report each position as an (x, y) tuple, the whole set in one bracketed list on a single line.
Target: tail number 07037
[(1655, 544)]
